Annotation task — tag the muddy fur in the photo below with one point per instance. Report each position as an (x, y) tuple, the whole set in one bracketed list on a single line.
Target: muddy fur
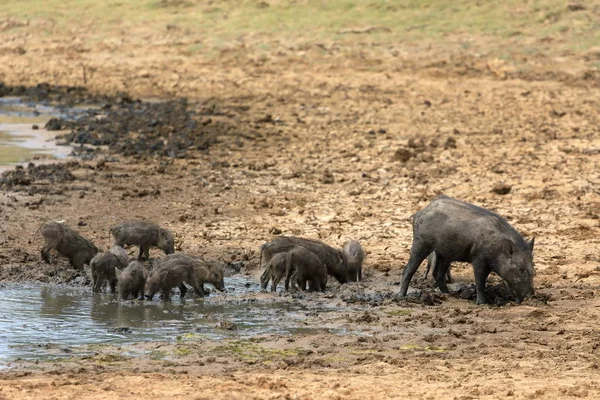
[(333, 259), (145, 235), (459, 231), (355, 256), (132, 280), (177, 269), (303, 267), (275, 270), (58, 236), (104, 266)]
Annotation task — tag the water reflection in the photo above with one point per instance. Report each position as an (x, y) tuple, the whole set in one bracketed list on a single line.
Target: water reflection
[(38, 321)]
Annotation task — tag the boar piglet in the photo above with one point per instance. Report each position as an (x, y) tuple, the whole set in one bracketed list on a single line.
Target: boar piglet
[(58, 236), (104, 266), (175, 270), (333, 259), (145, 235), (275, 270), (303, 267), (355, 256), (132, 280)]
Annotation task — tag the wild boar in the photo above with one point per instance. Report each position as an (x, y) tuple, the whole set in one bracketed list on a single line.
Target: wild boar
[(333, 259), (58, 236), (132, 280), (459, 231), (275, 270), (355, 256), (145, 235), (104, 266), (175, 270), (304, 266)]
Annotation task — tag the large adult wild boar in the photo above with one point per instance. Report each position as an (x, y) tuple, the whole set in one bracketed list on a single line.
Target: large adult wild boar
[(58, 236), (459, 231), (145, 235)]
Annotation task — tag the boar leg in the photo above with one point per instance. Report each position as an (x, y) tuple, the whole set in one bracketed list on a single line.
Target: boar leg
[(315, 284), (182, 291), (144, 253), (46, 254), (439, 273), (97, 284), (418, 253), (264, 279), (113, 286), (481, 270), (77, 261), (276, 280), (198, 289)]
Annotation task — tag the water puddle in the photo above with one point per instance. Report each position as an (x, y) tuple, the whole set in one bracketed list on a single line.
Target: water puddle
[(40, 321), (20, 141)]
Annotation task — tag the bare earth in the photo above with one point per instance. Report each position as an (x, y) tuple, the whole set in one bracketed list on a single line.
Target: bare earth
[(335, 141)]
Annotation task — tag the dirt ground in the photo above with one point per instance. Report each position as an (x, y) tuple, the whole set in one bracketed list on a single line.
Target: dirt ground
[(330, 140)]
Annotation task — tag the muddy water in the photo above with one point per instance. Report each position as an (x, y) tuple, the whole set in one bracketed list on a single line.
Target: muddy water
[(40, 321), (19, 142)]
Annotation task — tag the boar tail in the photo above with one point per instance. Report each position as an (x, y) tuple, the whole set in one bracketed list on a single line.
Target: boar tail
[(32, 238)]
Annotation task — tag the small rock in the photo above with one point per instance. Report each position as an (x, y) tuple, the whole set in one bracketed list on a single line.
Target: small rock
[(502, 188), (575, 7), (367, 318), (417, 143), (327, 178), (227, 326), (402, 154), (121, 329), (275, 231), (450, 143), (35, 127)]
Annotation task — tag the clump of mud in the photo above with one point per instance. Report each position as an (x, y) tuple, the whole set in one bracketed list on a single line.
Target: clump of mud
[(139, 128), (20, 266), (38, 178), (67, 95), (498, 295), (361, 294)]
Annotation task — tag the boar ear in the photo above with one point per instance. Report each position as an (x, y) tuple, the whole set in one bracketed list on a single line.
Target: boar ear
[(530, 244), (508, 247)]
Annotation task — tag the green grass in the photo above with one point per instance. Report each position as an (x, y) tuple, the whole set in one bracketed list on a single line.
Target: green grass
[(228, 18), (218, 24), (252, 352)]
